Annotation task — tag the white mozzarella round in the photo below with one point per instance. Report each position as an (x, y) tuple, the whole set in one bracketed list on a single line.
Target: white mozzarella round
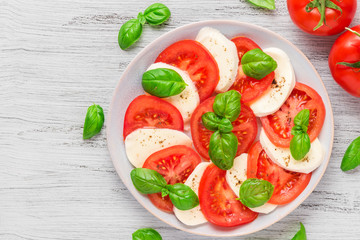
[(193, 216), (143, 142), (225, 53), (237, 175), (283, 158), (280, 89), (187, 100)]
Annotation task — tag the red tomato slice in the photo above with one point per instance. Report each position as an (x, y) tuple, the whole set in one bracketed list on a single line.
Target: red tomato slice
[(193, 57), (287, 185), (150, 111), (278, 126), (250, 88), (218, 202), (175, 163), (245, 129)]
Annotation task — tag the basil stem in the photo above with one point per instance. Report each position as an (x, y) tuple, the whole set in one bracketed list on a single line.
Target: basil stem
[(94, 121), (269, 4), (147, 181), (129, 33), (213, 122), (301, 234), (163, 82), (255, 192), (146, 234), (182, 196), (351, 158), (300, 145), (257, 64), (157, 13), (222, 149), (228, 105)]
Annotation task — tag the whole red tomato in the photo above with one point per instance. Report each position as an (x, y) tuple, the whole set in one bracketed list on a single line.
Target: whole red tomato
[(322, 17), (346, 51)]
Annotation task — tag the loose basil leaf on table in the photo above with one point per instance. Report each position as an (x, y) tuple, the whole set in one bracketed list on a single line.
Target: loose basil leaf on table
[(351, 158), (301, 234), (269, 4), (157, 14), (163, 82), (94, 121), (302, 119), (146, 234), (141, 18), (228, 105), (300, 145), (255, 192), (213, 122), (257, 64), (222, 149), (147, 181), (182, 196), (129, 33)]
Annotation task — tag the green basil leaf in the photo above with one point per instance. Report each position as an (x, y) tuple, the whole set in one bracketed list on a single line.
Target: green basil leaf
[(157, 13), (182, 196), (255, 192), (301, 234), (257, 64), (352, 65), (164, 192), (94, 121), (269, 4), (163, 82), (297, 130), (302, 119), (225, 126), (129, 33), (228, 105), (351, 158), (147, 181), (222, 149), (300, 146), (210, 121), (146, 234), (141, 18)]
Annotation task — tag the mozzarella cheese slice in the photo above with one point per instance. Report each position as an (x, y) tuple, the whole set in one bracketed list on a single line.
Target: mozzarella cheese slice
[(283, 158), (237, 175), (225, 53), (143, 142), (187, 100), (193, 216), (280, 89)]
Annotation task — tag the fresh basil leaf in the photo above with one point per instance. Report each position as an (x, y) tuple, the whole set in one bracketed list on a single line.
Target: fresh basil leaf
[(182, 196), (269, 4), (164, 192), (300, 146), (94, 121), (222, 149), (228, 105), (255, 192), (351, 158), (302, 119), (141, 18), (297, 130), (147, 181), (257, 64), (213, 122), (225, 126), (146, 234), (163, 82), (352, 65), (129, 33), (301, 234), (157, 13)]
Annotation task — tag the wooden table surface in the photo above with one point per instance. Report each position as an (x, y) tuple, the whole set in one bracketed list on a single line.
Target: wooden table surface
[(58, 57)]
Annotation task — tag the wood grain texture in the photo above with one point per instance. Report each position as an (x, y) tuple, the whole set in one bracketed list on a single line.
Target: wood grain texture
[(58, 57)]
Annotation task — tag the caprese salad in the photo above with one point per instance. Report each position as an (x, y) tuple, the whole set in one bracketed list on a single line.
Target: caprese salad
[(193, 136)]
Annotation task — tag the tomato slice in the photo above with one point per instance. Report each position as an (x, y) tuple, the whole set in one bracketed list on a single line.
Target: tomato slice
[(150, 111), (245, 129), (193, 57), (287, 185), (175, 163), (218, 202), (250, 88), (278, 126)]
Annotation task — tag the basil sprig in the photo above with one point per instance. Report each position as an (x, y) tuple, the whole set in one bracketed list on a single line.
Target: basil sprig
[(301, 234), (351, 158), (257, 64), (213, 122), (227, 105), (94, 121), (131, 30), (255, 192), (222, 149), (163, 82), (269, 4), (300, 144), (146, 234), (148, 181)]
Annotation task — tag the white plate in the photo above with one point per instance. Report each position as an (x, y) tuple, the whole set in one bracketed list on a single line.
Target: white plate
[(129, 86)]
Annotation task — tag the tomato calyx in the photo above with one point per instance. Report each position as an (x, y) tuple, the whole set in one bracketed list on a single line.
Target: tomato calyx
[(321, 5), (347, 64)]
